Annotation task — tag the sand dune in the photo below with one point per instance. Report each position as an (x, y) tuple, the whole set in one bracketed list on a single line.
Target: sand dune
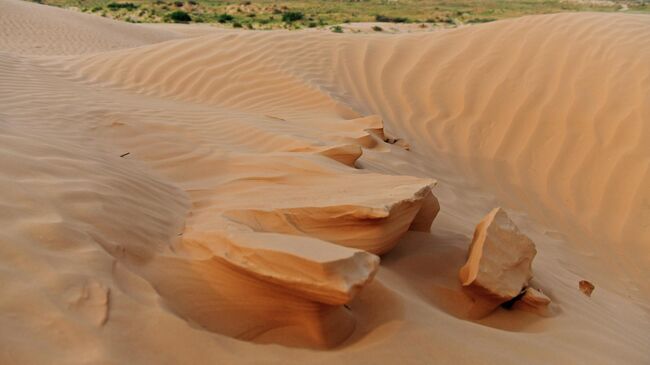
[(175, 196), (461, 107), (32, 29)]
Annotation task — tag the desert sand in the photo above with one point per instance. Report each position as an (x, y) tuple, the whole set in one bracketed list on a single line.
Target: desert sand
[(180, 195)]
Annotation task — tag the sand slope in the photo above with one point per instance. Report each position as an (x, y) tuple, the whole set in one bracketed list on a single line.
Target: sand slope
[(187, 199), (29, 28)]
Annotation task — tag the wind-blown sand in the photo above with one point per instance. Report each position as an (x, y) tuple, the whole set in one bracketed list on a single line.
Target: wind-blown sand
[(217, 196)]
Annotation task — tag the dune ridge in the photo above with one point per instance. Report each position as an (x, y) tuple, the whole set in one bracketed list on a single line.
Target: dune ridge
[(210, 193)]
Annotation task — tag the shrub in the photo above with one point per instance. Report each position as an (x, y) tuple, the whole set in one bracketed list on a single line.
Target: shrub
[(193, 3), (377, 28), (481, 20), (337, 29), (127, 6), (292, 16), (236, 25), (224, 18), (180, 16), (388, 19), (178, 4), (312, 25), (96, 9)]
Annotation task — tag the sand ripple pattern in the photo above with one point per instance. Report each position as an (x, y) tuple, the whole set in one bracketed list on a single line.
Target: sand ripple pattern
[(552, 119), (209, 193)]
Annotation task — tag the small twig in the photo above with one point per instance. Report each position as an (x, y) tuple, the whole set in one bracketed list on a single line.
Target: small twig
[(126, 154)]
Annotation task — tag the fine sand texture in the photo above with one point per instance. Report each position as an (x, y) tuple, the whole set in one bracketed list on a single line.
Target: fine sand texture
[(190, 195)]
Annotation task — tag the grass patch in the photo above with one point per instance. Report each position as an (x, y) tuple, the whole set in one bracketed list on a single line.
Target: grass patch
[(294, 14)]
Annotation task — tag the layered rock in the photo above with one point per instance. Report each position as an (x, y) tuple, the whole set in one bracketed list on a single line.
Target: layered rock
[(307, 267), (375, 228), (295, 230), (428, 212)]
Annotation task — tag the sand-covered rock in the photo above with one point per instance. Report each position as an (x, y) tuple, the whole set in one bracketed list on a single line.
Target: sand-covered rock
[(374, 226), (314, 269), (499, 263)]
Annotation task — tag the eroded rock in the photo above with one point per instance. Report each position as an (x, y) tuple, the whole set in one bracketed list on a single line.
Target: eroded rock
[(534, 301), (499, 263), (430, 209), (373, 223), (308, 267), (586, 287)]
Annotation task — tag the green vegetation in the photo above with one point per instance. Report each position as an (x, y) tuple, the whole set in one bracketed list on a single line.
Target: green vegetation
[(225, 18), (180, 16), (292, 16), (127, 6), (296, 14), (391, 19)]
